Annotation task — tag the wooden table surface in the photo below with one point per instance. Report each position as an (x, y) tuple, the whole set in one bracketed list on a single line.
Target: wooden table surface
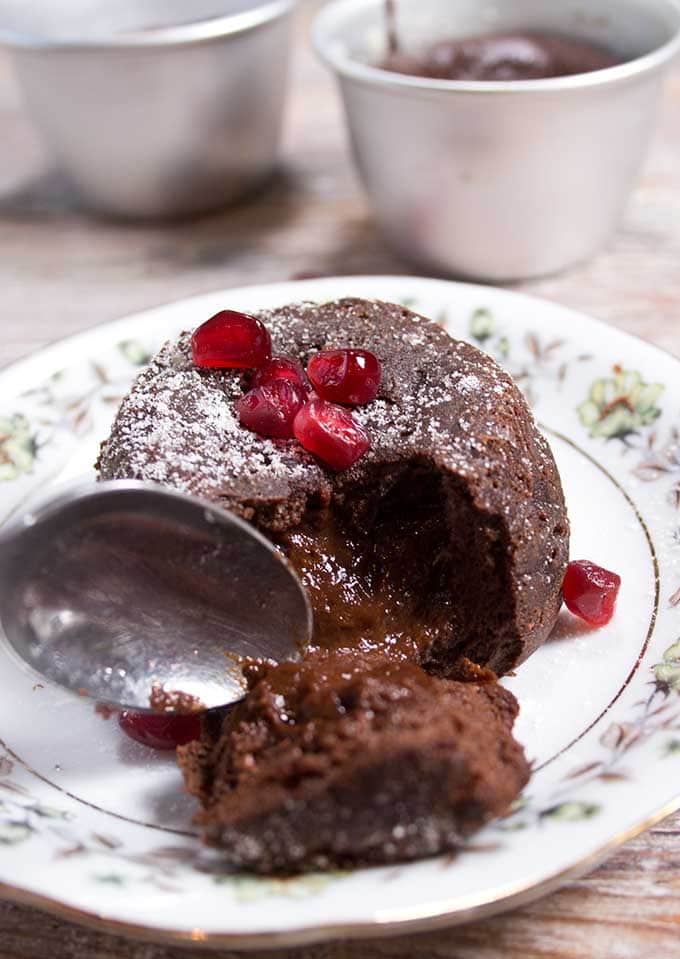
[(61, 272)]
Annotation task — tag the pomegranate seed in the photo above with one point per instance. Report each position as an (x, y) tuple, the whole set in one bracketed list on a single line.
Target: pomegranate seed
[(345, 376), (270, 409), (231, 340), (590, 592), (281, 368), (160, 731), (331, 433)]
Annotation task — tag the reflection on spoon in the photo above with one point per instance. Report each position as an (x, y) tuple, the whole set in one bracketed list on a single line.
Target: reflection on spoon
[(119, 588)]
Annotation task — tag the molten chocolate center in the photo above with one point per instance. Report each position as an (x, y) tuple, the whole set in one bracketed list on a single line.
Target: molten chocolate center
[(387, 573), (360, 587)]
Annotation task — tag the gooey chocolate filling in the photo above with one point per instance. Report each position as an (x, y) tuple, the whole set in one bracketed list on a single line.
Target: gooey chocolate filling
[(409, 567)]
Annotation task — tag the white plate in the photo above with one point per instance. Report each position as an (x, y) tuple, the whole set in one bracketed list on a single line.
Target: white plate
[(96, 827)]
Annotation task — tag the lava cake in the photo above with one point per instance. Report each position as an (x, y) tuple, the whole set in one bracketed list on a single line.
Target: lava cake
[(351, 759), (437, 556), (447, 541)]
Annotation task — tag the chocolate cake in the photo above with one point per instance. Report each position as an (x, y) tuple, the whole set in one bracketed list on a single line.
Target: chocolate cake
[(353, 759), (448, 539)]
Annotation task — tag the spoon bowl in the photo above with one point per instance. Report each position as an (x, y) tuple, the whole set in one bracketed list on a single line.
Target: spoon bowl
[(123, 589)]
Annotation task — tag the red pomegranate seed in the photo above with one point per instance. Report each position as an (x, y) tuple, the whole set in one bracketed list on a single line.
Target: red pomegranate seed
[(231, 340), (590, 591), (331, 433), (270, 409), (345, 376), (158, 731), (281, 368)]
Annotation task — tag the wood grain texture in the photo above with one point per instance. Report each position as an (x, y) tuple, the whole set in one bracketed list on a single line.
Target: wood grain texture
[(61, 272)]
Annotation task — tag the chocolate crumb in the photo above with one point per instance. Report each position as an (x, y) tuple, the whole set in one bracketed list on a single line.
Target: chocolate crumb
[(164, 700)]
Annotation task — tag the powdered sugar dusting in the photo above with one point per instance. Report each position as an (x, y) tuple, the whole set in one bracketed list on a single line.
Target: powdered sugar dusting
[(179, 427), (468, 383), (439, 398)]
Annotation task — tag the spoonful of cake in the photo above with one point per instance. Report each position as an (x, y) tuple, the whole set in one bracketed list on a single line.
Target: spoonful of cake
[(142, 597)]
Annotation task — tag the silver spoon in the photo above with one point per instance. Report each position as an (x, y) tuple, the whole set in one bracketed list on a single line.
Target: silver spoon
[(117, 588)]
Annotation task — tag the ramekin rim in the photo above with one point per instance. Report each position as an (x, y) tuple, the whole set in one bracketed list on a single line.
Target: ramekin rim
[(199, 31)]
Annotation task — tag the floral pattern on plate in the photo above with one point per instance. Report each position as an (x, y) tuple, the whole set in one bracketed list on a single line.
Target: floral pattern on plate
[(84, 819)]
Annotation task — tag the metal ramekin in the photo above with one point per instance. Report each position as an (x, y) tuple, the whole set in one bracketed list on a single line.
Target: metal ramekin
[(499, 181), (153, 120)]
